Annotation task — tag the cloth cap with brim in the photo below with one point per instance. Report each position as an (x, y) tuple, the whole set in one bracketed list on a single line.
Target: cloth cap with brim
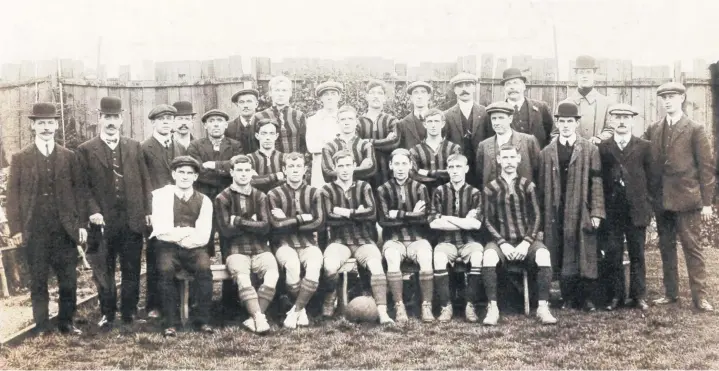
[(160, 110), (417, 84), (43, 111), (184, 108), (567, 109), (512, 73), (463, 77), (328, 85), (236, 96), (671, 88), (185, 161), (622, 109), (585, 62), (214, 112), (110, 105), (502, 107)]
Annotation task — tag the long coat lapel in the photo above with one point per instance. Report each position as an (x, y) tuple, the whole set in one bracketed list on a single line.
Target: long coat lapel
[(99, 151), (125, 151), (576, 152), (629, 148), (224, 146), (34, 176), (455, 118), (156, 150), (412, 125)]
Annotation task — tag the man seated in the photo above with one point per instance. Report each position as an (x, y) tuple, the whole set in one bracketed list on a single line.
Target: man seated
[(296, 214), (181, 224), (351, 215), (403, 217), (513, 219), (455, 214), (243, 221)]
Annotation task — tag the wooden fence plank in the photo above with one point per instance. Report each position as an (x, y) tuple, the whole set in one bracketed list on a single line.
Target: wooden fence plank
[(92, 99), (185, 94), (148, 102), (198, 104), (173, 95), (161, 96), (137, 114), (638, 104), (127, 113), (27, 99), (487, 66)]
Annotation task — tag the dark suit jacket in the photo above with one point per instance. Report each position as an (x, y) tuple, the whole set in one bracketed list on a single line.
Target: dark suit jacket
[(100, 186), (411, 131), (487, 168), (631, 166), (21, 192), (213, 181), (156, 162), (684, 180), (245, 135), (541, 122)]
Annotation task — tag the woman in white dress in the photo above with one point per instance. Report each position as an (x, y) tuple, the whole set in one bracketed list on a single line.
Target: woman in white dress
[(322, 126)]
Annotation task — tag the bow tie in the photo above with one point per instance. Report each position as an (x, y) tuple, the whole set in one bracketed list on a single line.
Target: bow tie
[(167, 143), (110, 140)]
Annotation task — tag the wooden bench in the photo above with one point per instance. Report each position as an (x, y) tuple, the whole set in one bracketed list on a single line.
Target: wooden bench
[(219, 273)]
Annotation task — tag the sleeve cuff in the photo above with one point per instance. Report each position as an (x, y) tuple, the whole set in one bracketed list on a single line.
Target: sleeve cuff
[(401, 214), (529, 239), (501, 241)]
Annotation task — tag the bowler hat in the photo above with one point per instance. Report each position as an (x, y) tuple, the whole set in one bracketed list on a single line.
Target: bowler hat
[(622, 109), (585, 61), (43, 111), (185, 161), (463, 77), (501, 106), (328, 85), (184, 108), (236, 96), (111, 105), (567, 108), (214, 112), (162, 109), (512, 73), (417, 84), (671, 87)]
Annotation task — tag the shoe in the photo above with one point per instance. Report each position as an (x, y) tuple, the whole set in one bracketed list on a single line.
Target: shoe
[(589, 306), (641, 304), (291, 319), (328, 306), (427, 315), (250, 324), (446, 314), (400, 313), (303, 320), (704, 306), (261, 324), (384, 318), (69, 329), (169, 332), (470, 314), (492, 317), (153, 314), (207, 329), (664, 300), (545, 316), (569, 304), (613, 304), (106, 322)]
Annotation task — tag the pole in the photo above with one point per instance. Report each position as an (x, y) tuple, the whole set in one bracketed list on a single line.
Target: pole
[(62, 100), (556, 64)]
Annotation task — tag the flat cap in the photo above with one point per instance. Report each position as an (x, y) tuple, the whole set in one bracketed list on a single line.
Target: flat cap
[(585, 62), (214, 112), (162, 109), (184, 108), (329, 85), (567, 108), (463, 77), (622, 109), (417, 84), (671, 87), (502, 107), (236, 96), (184, 161)]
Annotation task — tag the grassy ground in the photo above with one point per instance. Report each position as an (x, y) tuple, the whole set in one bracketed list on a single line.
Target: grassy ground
[(664, 338)]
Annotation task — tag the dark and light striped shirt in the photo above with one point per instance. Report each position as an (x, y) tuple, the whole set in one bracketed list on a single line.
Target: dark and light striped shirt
[(448, 201), (360, 148), (408, 225), (376, 132), (292, 230), (512, 210), (292, 131), (266, 168), (425, 158), (359, 229), (246, 236)]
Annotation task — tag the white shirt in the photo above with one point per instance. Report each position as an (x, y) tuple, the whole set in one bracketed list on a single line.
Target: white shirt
[(568, 141), (244, 122), (519, 104), (163, 219), (162, 138), (622, 137), (671, 120), (183, 195), (105, 137), (43, 146), (465, 107), (422, 113), (504, 138)]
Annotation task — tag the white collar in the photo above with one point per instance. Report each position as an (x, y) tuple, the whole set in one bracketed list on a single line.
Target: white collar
[(181, 140), (183, 195), (677, 116), (518, 104), (465, 107), (622, 137), (105, 137), (510, 180), (504, 138), (161, 138), (41, 145), (244, 122), (568, 141), (422, 113)]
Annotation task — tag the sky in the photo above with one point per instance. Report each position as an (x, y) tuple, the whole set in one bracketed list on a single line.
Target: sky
[(408, 31)]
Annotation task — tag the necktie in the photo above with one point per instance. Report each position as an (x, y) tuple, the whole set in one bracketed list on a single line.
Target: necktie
[(47, 149), (622, 144), (167, 143), (111, 140), (516, 109)]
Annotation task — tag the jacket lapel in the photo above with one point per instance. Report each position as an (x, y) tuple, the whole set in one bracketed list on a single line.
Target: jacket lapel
[(678, 128), (124, 142), (456, 114), (535, 118), (413, 127), (576, 152), (631, 146), (224, 146), (99, 151)]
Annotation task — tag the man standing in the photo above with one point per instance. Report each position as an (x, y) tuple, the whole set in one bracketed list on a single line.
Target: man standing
[(593, 105), (571, 186), (380, 129), (293, 128), (530, 116), (159, 151), (296, 213), (488, 168), (347, 140), (403, 216), (118, 202), (179, 236), (456, 216), (682, 190), (626, 162), (266, 161), (239, 129), (430, 156), (410, 129), (46, 212), (322, 127), (464, 120), (183, 122), (513, 218)]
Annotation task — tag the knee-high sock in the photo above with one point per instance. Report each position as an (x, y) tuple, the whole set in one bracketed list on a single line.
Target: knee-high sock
[(474, 284), (306, 290), (544, 282), (265, 294), (396, 285), (441, 282), (426, 285), (248, 296), (489, 275), (379, 288), (294, 290)]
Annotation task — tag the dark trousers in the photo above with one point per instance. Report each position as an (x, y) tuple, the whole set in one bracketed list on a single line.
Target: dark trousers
[(152, 300), (170, 259), (687, 225), (620, 227), (54, 250)]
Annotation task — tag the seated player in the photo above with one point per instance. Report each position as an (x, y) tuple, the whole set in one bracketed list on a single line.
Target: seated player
[(513, 219), (296, 214), (403, 215), (181, 223), (456, 214), (431, 155), (361, 149), (243, 221), (267, 161), (351, 214)]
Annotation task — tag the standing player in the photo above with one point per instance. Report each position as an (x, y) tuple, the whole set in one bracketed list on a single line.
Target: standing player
[(403, 215), (293, 128), (296, 214), (432, 153), (360, 149), (455, 214), (380, 129), (267, 161), (351, 215)]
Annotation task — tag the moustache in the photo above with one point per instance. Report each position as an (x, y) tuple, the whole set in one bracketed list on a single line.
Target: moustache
[(465, 93), (184, 127), (47, 132), (111, 126)]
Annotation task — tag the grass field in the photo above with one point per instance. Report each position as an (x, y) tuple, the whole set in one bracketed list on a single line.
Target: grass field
[(665, 338)]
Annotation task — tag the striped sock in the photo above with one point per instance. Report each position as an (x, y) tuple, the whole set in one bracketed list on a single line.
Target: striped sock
[(306, 289), (490, 282), (294, 289), (426, 285), (474, 284), (441, 282), (248, 296), (394, 279), (265, 294), (544, 282), (379, 288)]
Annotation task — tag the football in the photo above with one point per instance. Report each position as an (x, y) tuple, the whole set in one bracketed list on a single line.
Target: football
[(362, 309)]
